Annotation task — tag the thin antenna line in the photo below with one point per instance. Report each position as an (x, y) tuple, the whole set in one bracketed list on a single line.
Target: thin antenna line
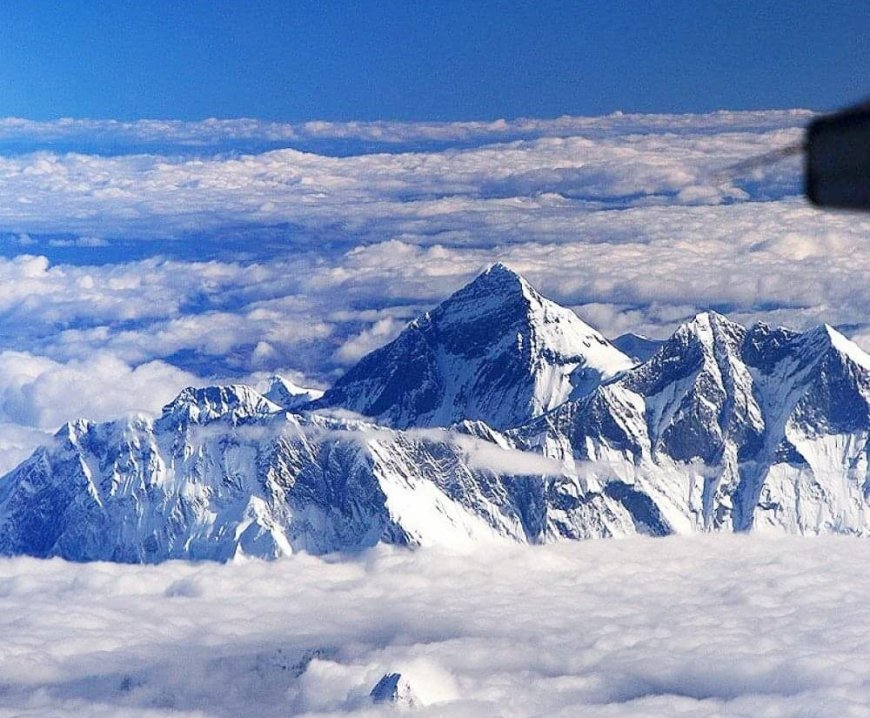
[(766, 159)]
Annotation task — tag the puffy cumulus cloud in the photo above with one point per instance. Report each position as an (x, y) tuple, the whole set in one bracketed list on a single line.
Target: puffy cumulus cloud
[(39, 392), (704, 626), (254, 336), (378, 334), (150, 308), (32, 290)]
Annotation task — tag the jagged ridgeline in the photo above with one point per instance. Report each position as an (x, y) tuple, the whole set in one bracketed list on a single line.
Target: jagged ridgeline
[(497, 416)]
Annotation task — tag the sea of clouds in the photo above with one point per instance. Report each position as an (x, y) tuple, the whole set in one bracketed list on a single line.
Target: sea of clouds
[(699, 626), (141, 257), (138, 258)]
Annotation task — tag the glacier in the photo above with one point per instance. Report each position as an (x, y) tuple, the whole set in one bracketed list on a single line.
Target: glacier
[(499, 416)]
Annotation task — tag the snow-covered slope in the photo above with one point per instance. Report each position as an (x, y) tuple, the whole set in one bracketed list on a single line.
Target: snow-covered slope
[(224, 472), (288, 395), (495, 351), (729, 429)]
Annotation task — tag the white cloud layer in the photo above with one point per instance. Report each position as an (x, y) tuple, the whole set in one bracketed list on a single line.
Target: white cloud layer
[(223, 261), (698, 627), (370, 196), (39, 392), (214, 132)]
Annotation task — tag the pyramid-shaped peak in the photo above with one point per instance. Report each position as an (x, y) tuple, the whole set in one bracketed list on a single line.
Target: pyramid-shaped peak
[(499, 303), (498, 279), (498, 289), (495, 351)]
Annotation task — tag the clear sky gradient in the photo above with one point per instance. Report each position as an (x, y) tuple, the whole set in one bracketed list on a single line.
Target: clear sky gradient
[(447, 60)]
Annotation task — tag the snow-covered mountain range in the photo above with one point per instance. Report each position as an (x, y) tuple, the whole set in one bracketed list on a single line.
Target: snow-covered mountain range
[(498, 416)]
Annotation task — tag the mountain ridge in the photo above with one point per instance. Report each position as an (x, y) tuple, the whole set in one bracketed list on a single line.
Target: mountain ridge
[(723, 428)]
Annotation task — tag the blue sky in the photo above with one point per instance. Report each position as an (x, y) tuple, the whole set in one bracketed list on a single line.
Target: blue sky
[(447, 60)]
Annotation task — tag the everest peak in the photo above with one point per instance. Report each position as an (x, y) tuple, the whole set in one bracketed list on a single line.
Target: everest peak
[(496, 350)]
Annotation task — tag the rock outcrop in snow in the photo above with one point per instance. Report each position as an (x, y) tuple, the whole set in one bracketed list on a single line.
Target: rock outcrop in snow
[(394, 688)]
